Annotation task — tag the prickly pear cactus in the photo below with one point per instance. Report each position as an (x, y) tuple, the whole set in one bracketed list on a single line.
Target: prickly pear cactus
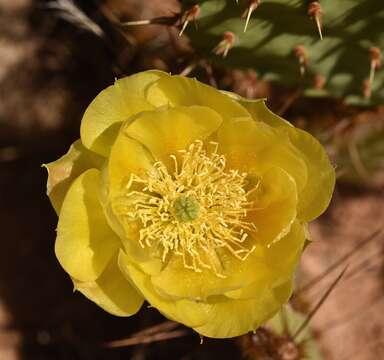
[(286, 323), (279, 339), (327, 48)]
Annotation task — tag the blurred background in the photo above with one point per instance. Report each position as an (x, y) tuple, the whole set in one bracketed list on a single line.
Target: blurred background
[(55, 56)]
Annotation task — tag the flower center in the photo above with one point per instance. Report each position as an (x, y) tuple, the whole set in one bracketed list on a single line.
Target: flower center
[(186, 208), (197, 211)]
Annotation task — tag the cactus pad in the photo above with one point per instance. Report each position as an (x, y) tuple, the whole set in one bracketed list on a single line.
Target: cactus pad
[(283, 43)]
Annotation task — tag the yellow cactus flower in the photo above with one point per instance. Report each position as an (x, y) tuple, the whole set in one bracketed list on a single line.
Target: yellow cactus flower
[(192, 199)]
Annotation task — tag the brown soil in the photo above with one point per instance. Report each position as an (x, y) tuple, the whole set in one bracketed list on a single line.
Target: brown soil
[(350, 324)]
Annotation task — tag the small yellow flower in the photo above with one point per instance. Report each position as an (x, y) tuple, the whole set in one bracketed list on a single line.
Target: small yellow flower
[(190, 198)]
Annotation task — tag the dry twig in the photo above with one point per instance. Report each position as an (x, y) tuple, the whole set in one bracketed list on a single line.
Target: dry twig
[(160, 332)]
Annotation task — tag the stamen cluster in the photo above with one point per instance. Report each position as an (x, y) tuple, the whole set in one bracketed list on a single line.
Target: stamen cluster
[(193, 212)]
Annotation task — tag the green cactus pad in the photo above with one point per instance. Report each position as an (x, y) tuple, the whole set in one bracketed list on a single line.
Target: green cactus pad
[(286, 322), (342, 59)]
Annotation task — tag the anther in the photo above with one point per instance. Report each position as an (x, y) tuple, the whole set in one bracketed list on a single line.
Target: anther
[(314, 11), (301, 55), (188, 16), (225, 44), (252, 5)]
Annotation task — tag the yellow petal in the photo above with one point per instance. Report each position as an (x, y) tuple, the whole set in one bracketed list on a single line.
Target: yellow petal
[(316, 195), (279, 260), (284, 291), (183, 91), (188, 312), (85, 243), (229, 318), (266, 267), (128, 230), (282, 256), (275, 200), (201, 285), (111, 291), (260, 112), (113, 105), (166, 131), (220, 316), (62, 172), (262, 282), (127, 157), (255, 147)]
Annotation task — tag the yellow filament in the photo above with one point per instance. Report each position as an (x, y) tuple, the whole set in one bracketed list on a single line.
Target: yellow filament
[(215, 202)]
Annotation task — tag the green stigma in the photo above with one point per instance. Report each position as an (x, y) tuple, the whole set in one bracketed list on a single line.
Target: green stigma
[(186, 208)]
